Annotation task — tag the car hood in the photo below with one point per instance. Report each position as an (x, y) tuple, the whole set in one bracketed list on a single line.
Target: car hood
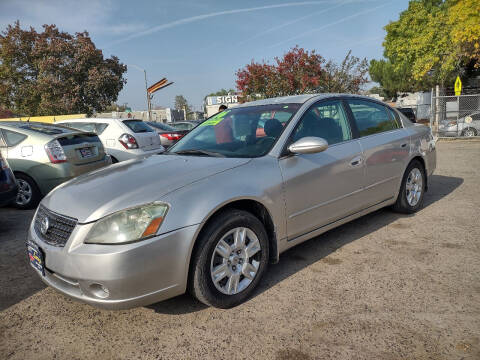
[(94, 195)]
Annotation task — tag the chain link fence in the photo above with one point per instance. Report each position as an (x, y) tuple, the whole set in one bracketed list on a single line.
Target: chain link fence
[(455, 116)]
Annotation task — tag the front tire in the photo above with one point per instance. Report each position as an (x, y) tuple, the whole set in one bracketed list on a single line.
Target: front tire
[(412, 190), (230, 258)]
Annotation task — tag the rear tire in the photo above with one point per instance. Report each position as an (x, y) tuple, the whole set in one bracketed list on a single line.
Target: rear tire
[(226, 269), (412, 190), (114, 159), (29, 194), (469, 132)]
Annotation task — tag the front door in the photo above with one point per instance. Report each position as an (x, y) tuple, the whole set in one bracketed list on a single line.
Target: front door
[(324, 187)]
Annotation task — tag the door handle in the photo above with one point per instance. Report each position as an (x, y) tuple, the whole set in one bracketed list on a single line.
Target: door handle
[(356, 161), (403, 145)]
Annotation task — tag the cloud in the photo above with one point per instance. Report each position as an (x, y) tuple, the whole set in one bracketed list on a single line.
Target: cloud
[(68, 15), (214, 14), (330, 24)]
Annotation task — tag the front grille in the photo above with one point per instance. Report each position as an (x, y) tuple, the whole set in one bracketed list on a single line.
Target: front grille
[(54, 229)]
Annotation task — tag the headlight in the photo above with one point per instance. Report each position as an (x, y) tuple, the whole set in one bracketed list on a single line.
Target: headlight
[(128, 225)]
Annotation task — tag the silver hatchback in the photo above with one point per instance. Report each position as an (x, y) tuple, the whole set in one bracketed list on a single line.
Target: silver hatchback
[(239, 189)]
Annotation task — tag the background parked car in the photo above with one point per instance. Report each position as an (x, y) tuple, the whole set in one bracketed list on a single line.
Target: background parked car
[(43, 156), (466, 126), (123, 139), (185, 125), (409, 113), (8, 184), (168, 134)]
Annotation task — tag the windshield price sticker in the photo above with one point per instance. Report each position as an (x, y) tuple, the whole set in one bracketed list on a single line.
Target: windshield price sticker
[(216, 119)]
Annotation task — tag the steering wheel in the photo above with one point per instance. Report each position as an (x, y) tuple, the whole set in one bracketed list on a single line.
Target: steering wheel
[(265, 140)]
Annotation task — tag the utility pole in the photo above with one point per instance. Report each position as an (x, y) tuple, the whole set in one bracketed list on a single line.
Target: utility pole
[(149, 106)]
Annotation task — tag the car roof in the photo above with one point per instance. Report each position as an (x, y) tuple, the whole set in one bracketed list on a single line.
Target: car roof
[(300, 99), (92, 119), (37, 127)]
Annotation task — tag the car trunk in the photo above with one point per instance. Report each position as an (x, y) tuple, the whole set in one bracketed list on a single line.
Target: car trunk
[(81, 148), (147, 138)]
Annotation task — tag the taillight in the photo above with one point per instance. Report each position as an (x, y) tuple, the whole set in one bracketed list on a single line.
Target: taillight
[(55, 152), (172, 136), (128, 141)]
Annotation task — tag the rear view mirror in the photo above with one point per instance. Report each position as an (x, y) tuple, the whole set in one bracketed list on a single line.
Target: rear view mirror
[(308, 145)]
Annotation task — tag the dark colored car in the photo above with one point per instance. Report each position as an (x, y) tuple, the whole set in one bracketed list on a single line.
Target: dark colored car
[(409, 113), (186, 125), (8, 185), (168, 134)]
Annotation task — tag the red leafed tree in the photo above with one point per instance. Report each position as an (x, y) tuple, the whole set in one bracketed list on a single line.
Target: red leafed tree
[(53, 72), (300, 71)]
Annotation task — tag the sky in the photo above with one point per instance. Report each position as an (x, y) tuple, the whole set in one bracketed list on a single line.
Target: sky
[(199, 45)]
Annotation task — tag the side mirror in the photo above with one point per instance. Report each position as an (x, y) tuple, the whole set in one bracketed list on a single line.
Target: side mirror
[(308, 145)]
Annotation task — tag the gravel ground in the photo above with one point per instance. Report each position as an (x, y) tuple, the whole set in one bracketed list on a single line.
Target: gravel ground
[(385, 286)]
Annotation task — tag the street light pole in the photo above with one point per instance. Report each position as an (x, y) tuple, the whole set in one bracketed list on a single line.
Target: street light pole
[(149, 106)]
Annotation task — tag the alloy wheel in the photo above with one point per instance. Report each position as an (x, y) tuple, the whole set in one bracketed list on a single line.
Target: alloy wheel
[(24, 195), (414, 187), (235, 261)]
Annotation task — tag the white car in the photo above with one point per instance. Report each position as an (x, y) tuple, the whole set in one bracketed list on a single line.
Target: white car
[(123, 139)]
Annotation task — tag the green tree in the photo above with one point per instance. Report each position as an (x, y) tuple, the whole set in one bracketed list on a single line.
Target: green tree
[(181, 104), (300, 71), (391, 80), (53, 72), (431, 43)]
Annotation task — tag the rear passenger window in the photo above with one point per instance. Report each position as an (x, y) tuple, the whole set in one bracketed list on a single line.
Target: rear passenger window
[(371, 118), (13, 138)]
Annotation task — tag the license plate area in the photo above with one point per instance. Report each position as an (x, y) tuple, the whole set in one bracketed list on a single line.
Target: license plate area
[(36, 257), (86, 152)]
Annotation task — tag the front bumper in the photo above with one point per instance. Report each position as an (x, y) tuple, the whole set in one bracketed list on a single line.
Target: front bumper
[(135, 274)]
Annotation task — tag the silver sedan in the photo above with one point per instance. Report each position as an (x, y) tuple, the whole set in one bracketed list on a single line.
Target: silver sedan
[(211, 213)]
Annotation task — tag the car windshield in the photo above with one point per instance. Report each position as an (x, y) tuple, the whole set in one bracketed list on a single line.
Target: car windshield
[(137, 126), (46, 129), (238, 132), (162, 126)]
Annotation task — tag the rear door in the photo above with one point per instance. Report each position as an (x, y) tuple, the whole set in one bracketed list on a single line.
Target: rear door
[(146, 137), (385, 146), (324, 187)]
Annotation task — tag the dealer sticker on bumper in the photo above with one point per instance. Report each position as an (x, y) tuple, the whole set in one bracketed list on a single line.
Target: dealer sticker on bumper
[(36, 257)]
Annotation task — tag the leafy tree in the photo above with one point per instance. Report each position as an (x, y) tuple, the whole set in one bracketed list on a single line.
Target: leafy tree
[(391, 80), (115, 107), (347, 77), (300, 71), (431, 43), (53, 72), (181, 104)]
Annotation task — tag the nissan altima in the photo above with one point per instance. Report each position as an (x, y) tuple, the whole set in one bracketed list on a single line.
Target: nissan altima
[(210, 214)]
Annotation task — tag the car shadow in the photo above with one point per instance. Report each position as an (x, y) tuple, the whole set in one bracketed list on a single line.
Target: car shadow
[(313, 250), (18, 280)]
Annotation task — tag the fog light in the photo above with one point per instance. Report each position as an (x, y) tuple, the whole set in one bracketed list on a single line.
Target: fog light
[(99, 291)]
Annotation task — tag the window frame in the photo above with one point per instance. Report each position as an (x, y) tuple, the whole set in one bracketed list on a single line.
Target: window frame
[(5, 140), (388, 109), (349, 118)]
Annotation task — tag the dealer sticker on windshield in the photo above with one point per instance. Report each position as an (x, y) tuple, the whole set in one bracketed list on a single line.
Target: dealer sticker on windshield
[(216, 119)]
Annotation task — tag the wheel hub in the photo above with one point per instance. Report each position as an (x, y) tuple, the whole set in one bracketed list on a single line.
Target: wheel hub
[(235, 261)]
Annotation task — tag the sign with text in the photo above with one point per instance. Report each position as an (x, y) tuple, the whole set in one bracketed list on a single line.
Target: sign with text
[(219, 100)]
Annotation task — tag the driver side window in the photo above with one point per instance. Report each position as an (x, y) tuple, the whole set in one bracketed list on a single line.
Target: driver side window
[(326, 120)]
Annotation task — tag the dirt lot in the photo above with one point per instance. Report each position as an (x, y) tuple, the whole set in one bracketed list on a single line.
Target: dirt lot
[(382, 287)]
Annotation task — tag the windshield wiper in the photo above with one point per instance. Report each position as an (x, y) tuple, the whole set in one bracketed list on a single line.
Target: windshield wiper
[(198, 152)]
